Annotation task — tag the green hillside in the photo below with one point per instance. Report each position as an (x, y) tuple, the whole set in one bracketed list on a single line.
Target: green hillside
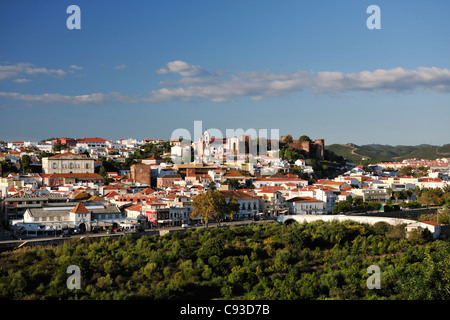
[(389, 153)]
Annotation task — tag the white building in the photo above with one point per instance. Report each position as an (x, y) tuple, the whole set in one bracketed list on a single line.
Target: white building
[(51, 220), (248, 205), (45, 147), (306, 205), (434, 228), (277, 182), (218, 149), (326, 195), (68, 163)]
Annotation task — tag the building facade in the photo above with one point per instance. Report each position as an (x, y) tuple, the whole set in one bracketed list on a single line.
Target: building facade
[(61, 179), (68, 163), (167, 180), (80, 216), (141, 173), (305, 205)]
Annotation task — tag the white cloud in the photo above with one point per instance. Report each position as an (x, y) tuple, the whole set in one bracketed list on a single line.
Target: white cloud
[(21, 80), (162, 71), (93, 98), (182, 68), (258, 85), (120, 67), (75, 67), (391, 80), (21, 69), (263, 85)]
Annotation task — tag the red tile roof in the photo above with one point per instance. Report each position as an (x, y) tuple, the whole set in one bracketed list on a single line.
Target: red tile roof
[(67, 154), (431, 223), (135, 207), (93, 140), (80, 208), (303, 199)]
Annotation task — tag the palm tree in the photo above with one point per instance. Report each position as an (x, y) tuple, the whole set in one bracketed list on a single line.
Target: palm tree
[(389, 192), (403, 194), (396, 196), (417, 192), (409, 193)]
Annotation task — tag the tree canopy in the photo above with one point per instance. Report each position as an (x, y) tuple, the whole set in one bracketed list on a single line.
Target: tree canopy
[(212, 205), (320, 260)]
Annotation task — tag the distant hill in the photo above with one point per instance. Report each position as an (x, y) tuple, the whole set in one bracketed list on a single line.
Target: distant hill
[(380, 152)]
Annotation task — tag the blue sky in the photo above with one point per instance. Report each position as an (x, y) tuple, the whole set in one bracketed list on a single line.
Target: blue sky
[(142, 69)]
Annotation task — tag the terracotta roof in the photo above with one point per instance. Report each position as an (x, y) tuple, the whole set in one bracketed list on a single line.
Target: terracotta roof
[(135, 207), (111, 194), (170, 176), (431, 223), (96, 198), (269, 189), (109, 187), (281, 179), (66, 154), (303, 199), (82, 195), (76, 175), (233, 173), (80, 208), (237, 194), (147, 191), (93, 140), (431, 180)]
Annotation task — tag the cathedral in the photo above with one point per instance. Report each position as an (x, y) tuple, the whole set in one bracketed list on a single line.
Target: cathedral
[(211, 149)]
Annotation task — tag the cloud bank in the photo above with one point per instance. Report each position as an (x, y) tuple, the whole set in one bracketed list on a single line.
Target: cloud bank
[(20, 70), (197, 84)]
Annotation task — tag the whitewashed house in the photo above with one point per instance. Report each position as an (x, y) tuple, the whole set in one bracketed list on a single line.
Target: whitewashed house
[(305, 205), (433, 227)]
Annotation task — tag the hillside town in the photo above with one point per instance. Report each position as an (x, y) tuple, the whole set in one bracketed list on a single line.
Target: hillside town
[(76, 185)]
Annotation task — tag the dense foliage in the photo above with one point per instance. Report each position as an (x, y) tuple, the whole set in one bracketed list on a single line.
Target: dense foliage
[(377, 152), (320, 260)]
